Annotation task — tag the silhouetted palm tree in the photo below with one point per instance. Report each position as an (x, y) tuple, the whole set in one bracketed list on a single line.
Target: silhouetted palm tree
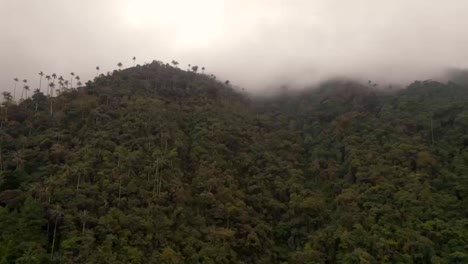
[(97, 71), (41, 74), (134, 59), (14, 90), (120, 65), (26, 89), (195, 68), (175, 63), (189, 67), (71, 79), (203, 69), (52, 86), (48, 83)]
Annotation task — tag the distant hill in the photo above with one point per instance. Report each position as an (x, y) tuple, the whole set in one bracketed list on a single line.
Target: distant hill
[(154, 164)]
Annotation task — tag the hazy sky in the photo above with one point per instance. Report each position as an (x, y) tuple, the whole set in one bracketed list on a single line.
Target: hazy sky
[(254, 43)]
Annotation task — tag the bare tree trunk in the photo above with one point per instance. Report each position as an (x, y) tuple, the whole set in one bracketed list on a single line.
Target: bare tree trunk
[(78, 182), (120, 186), (155, 177), (53, 239)]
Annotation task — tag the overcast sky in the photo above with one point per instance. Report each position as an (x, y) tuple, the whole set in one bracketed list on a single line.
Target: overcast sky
[(254, 43)]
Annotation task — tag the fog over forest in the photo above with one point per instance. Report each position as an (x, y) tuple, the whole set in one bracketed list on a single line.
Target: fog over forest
[(256, 44)]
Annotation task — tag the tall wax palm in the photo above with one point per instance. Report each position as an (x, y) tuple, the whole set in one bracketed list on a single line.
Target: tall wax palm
[(14, 90), (48, 83), (120, 65), (203, 69), (56, 213), (66, 83), (61, 85), (41, 74), (26, 89), (77, 79), (97, 71), (134, 60), (71, 79), (52, 86), (25, 84), (175, 63)]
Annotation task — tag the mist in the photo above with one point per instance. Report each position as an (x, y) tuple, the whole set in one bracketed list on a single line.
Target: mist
[(258, 45)]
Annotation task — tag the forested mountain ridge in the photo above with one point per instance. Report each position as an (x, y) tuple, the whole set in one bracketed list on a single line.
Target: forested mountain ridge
[(157, 165)]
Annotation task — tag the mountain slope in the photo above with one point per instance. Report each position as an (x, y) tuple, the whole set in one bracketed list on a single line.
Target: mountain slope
[(157, 165)]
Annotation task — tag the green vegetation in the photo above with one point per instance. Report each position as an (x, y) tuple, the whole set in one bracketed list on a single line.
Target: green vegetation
[(154, 164)]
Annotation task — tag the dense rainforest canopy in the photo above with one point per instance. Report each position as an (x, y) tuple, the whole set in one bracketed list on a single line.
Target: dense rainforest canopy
[(154, 164)]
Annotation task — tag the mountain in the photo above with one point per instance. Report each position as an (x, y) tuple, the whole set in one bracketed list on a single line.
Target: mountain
[(154, 164)]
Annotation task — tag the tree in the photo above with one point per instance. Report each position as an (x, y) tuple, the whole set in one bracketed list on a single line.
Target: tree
[(97, 71), (56, 213), (7, 100), (120, 65), (195, 69), (227, 82), (24, 86), (48, 84), (203, 69), (26, 89), (41, 74), (52, 86), (14, 90), (71, 79), (134, 60), (175, 63)]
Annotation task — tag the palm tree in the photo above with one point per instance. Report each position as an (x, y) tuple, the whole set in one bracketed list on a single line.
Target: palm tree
[(48, 83), (195, 68), (83, 218), (54, 76), (40, 79), (134, 59), (97, 71), (77, 78), (189, 67), (120, 65), (203, 69), (175, 63), (25, 84), (57, 213), (66, 83), (79, 84), (14, 90), (71, 79), (26, 89), (52, 86)]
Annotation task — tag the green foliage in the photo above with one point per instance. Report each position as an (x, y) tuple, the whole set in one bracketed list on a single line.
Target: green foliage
[(159, 165)]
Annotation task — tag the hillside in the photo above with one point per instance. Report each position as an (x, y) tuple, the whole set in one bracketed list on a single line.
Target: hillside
[(153, 164)]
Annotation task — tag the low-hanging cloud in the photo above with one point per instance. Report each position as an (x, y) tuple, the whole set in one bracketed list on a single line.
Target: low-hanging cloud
[(256, 44)]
